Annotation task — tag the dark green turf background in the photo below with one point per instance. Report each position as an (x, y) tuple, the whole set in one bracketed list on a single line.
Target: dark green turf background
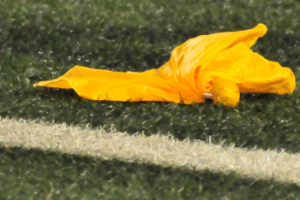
[(41, 40), (43, 175)]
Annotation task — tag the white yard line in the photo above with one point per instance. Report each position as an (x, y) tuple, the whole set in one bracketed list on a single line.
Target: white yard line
[(156, 149)]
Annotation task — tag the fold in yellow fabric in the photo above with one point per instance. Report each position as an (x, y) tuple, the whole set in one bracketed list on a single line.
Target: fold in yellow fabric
[(193, 69)]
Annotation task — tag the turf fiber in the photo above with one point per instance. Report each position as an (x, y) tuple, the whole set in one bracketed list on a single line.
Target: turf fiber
[(41, 40), (41, 175)]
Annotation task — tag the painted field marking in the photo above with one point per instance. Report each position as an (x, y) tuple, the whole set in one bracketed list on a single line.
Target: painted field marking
[(156, 149)]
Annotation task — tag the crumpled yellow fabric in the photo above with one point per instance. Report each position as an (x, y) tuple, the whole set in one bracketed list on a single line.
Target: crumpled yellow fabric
[(192, 70)]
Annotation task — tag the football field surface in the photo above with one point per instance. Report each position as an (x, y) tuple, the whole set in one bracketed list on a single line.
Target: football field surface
[(55, 145)]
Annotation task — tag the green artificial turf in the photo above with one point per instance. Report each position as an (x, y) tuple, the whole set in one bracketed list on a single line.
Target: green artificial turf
[(41, 175), (41, 40)]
